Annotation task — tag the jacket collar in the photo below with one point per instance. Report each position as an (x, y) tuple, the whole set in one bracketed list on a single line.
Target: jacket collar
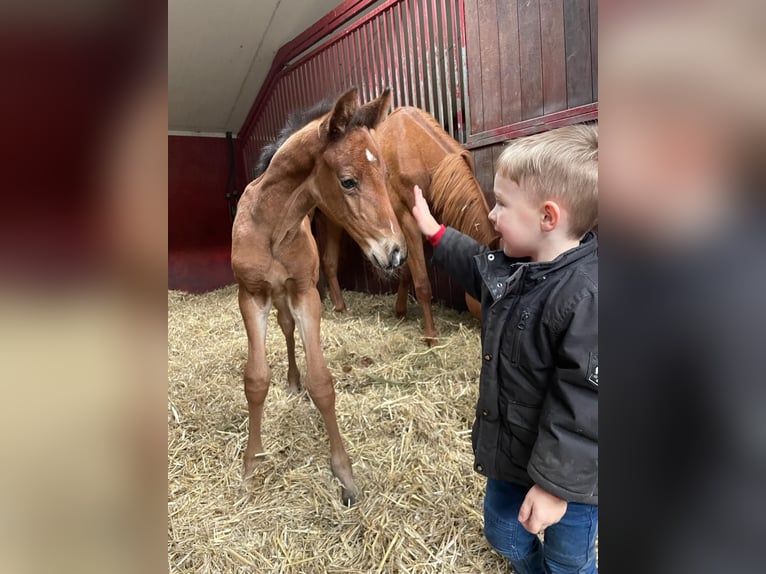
[(500, 272)]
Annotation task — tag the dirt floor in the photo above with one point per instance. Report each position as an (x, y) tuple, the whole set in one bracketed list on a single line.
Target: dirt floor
[(405, 413)]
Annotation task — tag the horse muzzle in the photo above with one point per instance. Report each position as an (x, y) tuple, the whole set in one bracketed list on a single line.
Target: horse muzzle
[(389, 255)]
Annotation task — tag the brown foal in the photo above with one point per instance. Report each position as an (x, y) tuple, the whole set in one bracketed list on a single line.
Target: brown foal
[(332, 163)]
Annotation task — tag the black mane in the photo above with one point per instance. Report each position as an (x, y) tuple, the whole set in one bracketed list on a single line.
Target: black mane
[(295, 121)]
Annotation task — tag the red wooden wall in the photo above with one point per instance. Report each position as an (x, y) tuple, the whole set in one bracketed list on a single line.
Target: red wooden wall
[(532, 66), (199, 229)]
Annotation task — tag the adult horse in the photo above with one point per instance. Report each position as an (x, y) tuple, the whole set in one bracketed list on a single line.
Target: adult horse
[(418, 151), (332, 163)]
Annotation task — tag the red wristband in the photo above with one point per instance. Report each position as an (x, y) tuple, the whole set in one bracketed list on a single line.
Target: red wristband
[(436, 237)]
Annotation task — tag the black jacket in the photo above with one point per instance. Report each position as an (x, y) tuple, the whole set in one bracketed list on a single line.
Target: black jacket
[(537, 414)]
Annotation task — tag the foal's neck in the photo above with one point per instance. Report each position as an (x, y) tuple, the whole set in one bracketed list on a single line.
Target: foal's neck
[(285, 197)]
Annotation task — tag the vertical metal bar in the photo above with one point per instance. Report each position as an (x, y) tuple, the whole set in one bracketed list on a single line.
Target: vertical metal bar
[(324, 74), (276, 97), (369, 61), (350, 62), (334, 61), (310, 85), (456, 48), (416, 100), (372, 64), (437, 61), (347, 64), (299, 84), (361, 84), (447, 79), (428, 47), (385, 80), (294, 91), (464, 66), (419, 44), (318, 80), (330, 81), (401, 29), (394, 53)]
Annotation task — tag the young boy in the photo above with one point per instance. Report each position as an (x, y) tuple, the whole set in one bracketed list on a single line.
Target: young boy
[(535, 437)]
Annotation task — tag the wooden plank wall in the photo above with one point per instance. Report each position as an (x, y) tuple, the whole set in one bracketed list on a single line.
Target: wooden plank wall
[(526, 59)]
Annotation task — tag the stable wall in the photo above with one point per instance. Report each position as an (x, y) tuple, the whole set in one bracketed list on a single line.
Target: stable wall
[(199, 227)]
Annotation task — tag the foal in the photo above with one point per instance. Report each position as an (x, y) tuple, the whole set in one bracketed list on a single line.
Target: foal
[(332, 163)]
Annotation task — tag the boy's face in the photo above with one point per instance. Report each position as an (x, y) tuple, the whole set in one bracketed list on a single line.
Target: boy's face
[(516, 218)]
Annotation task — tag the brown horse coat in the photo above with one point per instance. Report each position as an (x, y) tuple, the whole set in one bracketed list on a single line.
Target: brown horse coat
[(334, 164)]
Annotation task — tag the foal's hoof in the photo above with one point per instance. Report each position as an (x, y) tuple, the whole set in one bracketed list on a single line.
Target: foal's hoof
[(400, 313), (431, 341), (349, 497)]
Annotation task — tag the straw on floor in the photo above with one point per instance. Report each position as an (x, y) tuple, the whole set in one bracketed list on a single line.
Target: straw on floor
[(405, 413)]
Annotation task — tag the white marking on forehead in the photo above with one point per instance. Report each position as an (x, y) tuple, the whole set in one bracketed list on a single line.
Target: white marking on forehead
[(370, 157), (392, 226)]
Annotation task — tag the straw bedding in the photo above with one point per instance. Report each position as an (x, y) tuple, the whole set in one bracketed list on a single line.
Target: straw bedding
[(404, 410)]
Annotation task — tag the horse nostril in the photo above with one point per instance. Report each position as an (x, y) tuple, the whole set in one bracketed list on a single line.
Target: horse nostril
[(396, 257)]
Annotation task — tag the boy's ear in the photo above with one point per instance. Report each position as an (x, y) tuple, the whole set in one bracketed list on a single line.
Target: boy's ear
[(550, 216)]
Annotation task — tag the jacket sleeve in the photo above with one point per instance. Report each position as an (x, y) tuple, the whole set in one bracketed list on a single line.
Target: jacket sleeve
[(564, 459), (455, 254)]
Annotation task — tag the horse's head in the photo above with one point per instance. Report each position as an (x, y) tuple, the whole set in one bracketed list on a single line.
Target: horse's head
[(350, 179)]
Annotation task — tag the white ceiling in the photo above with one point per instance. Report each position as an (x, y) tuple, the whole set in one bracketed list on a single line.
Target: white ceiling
[(220, 51)]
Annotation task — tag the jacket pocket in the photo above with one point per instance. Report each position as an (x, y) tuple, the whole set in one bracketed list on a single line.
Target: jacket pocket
[(523, 416), (517, 334), (523, 421)]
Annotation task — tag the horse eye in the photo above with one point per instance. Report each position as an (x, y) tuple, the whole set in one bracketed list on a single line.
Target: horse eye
[(348, 183)]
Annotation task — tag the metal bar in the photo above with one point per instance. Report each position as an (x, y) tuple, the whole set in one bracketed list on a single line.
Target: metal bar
[(418, 44), (349, 64), (450, 125), (531, 126), (324, 73), (381, 45), (360, 83), (436, 59), (394, 54), (428, 49), (463, 91), (368, 61), (334, 74), (403, 45), (412, 56)]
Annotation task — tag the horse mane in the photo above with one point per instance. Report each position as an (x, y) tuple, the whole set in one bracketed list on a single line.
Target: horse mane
[(457, 199), (295, 121)]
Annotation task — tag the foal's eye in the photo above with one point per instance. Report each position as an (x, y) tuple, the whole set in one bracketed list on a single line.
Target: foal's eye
[(348, 183)]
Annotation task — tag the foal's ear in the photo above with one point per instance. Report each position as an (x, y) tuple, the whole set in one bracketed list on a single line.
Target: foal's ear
[(342, 113), (371, 114), (468, 158)]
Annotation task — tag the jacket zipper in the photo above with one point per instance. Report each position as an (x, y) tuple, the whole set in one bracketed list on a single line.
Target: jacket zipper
[(520, 326)]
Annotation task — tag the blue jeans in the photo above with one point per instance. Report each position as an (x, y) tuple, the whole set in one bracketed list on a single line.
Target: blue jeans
[(569, 547)]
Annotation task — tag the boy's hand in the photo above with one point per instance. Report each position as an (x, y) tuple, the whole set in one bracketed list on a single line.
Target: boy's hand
[(541, 509), (426, 222)]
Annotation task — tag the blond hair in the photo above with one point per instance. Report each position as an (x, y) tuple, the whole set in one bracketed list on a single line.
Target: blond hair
[(559, 165)]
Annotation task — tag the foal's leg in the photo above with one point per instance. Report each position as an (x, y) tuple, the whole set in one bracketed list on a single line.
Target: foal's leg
[(405, 280), (416, 263), (255, 313), (307, 311), (330, 258), (287, 323)]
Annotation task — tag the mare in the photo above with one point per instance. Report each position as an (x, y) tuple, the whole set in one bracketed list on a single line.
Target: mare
[(417, 151)]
